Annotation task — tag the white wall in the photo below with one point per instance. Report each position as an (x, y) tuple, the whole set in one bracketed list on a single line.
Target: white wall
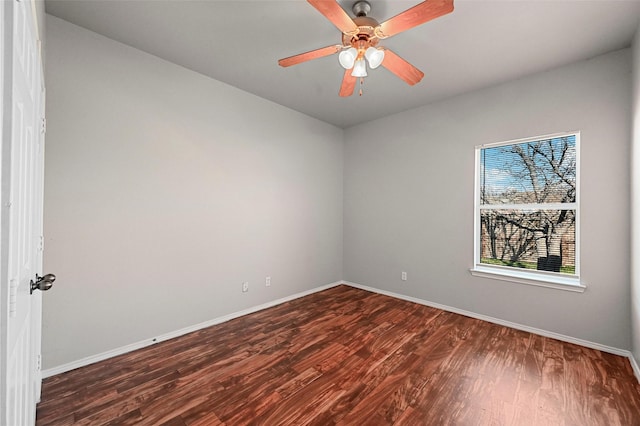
[(165, 190), (635, 202), (409, 198)]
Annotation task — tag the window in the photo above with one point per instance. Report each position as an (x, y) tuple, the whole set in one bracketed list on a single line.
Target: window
[(527, 211)]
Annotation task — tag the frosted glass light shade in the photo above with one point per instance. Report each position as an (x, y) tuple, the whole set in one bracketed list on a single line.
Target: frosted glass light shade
[(348, 57), (374, 56), (359, 69)]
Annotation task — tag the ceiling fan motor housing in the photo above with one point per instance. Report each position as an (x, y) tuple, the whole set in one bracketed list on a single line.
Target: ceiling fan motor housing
[(366, 32)]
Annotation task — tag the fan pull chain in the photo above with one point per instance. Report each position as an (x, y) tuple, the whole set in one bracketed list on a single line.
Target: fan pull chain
[(361, 83)]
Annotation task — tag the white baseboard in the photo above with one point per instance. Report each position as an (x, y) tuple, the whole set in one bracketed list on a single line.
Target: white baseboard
[(538, 331), (634, 365), (148, 342)]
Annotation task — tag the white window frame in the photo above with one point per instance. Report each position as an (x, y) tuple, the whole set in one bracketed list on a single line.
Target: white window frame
[(527, 276)]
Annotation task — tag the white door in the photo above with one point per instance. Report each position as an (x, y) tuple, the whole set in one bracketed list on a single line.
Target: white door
[(20, 213)]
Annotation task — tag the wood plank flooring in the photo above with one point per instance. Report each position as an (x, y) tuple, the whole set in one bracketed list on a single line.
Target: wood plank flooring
[(349, 357)]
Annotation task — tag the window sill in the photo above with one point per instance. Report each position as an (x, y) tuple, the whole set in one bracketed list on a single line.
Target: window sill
[(539, 279)]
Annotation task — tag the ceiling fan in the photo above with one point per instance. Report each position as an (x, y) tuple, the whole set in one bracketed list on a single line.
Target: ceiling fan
[(360, 37)]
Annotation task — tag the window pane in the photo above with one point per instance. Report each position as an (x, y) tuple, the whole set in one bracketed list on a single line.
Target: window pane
[(542, 171), (534, 239)]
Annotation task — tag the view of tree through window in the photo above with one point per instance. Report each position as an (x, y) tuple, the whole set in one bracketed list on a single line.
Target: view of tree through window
[(528, 205)]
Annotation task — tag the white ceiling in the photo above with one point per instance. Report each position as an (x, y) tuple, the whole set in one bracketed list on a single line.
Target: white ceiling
[(239, 42)]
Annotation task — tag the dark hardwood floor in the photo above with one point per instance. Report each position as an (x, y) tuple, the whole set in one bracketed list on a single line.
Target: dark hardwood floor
[(350, 357)]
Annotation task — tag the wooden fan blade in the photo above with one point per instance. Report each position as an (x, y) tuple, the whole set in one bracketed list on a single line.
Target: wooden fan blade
[(307, 56), (403, 69), (336, 14), (348, 84), (417, 15)]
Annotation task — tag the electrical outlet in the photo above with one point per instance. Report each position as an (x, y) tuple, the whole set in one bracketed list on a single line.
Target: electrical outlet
[(404, 276), (245, 286), (267, 281)]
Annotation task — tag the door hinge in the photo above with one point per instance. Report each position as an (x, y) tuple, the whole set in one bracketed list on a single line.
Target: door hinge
[(13, 297), (41, 243), (39, 362), (43, 127)]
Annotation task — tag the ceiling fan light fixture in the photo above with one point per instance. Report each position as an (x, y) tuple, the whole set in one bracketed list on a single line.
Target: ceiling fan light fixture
[(359, 69), (348, 57), (374, 56)]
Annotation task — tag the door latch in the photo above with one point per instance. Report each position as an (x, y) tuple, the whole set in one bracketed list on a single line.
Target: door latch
[(43, 283)]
